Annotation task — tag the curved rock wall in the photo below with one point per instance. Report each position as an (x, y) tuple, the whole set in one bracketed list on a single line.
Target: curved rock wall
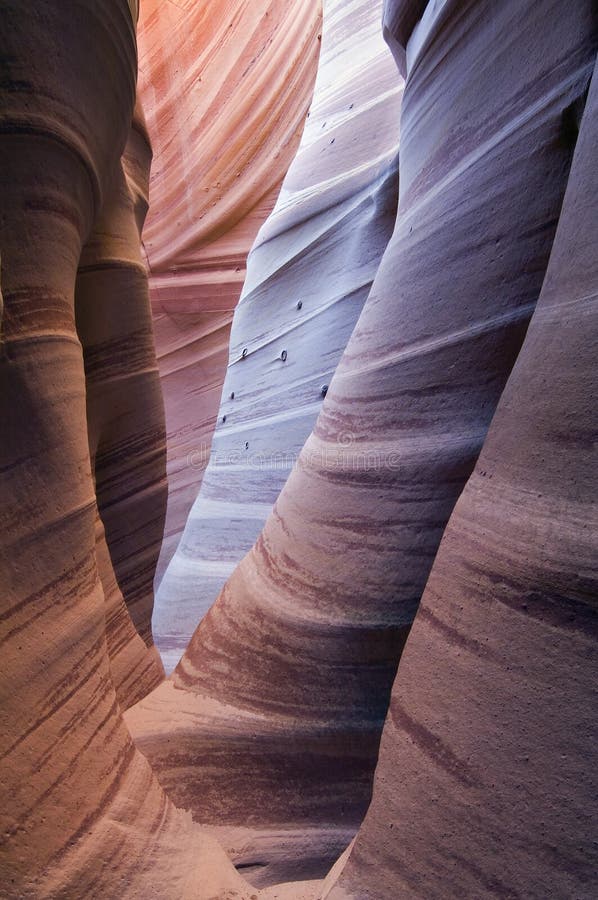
[(125, 418), (81, 814), (307, 279), (486, 783), (269, 729), (225, 87), (282, 692)]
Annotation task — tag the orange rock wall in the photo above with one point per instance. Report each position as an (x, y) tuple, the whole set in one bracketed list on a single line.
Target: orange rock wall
[(225, 87), (125, 418), (81, 814)]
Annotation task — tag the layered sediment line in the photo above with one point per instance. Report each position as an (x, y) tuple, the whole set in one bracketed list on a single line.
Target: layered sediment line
[(226, 88), (81, 814), (486, 782), (308, 276), (125, 417), (305, 637)]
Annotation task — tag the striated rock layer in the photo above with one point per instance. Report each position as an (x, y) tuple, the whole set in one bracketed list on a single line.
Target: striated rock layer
[(81, 814), (125, 418), (487, 784), (308, 276), (225, 87), (272, 718)]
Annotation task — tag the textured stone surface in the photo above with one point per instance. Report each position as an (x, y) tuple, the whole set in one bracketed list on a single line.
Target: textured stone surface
[(125, 418), (225, 87), (81, 814), (269, 729), (283, 690), (487, 785), (320, 249)]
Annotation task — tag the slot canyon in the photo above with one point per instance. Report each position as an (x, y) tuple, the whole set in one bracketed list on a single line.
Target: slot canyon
[(298, 450)]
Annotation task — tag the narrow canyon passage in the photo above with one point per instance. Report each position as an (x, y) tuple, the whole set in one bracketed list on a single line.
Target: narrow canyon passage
[(225, 87), (372, 585), (308, 275), (287, 679)]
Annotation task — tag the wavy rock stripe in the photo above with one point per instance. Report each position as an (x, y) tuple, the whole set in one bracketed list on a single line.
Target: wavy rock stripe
[(308, 276), (81, 814), (135, 668), (192, 350), (125, 419), (290, 672), (486, 784), (226, 87)]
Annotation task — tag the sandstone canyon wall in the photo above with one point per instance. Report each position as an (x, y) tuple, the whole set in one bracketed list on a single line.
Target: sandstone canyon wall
[(281, 695), (125, 418), (488, 759), (81, 813), (268, 731), (307, 279), (225, 86)]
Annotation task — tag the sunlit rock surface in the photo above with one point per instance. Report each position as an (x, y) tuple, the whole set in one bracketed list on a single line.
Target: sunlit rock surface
[(486, 784), (308, 276), (225, 87), (283, 690)]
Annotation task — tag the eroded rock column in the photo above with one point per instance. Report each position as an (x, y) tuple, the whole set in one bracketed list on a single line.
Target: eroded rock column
[(283, 690), (81, 814), (125, 417), (486, 784)]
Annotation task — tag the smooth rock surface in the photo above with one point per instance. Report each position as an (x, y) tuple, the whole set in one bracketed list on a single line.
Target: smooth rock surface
[(125, 418), (269, 729), (308, 276), (486, 784), (284, 687), (81, 814), (225, 87)]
